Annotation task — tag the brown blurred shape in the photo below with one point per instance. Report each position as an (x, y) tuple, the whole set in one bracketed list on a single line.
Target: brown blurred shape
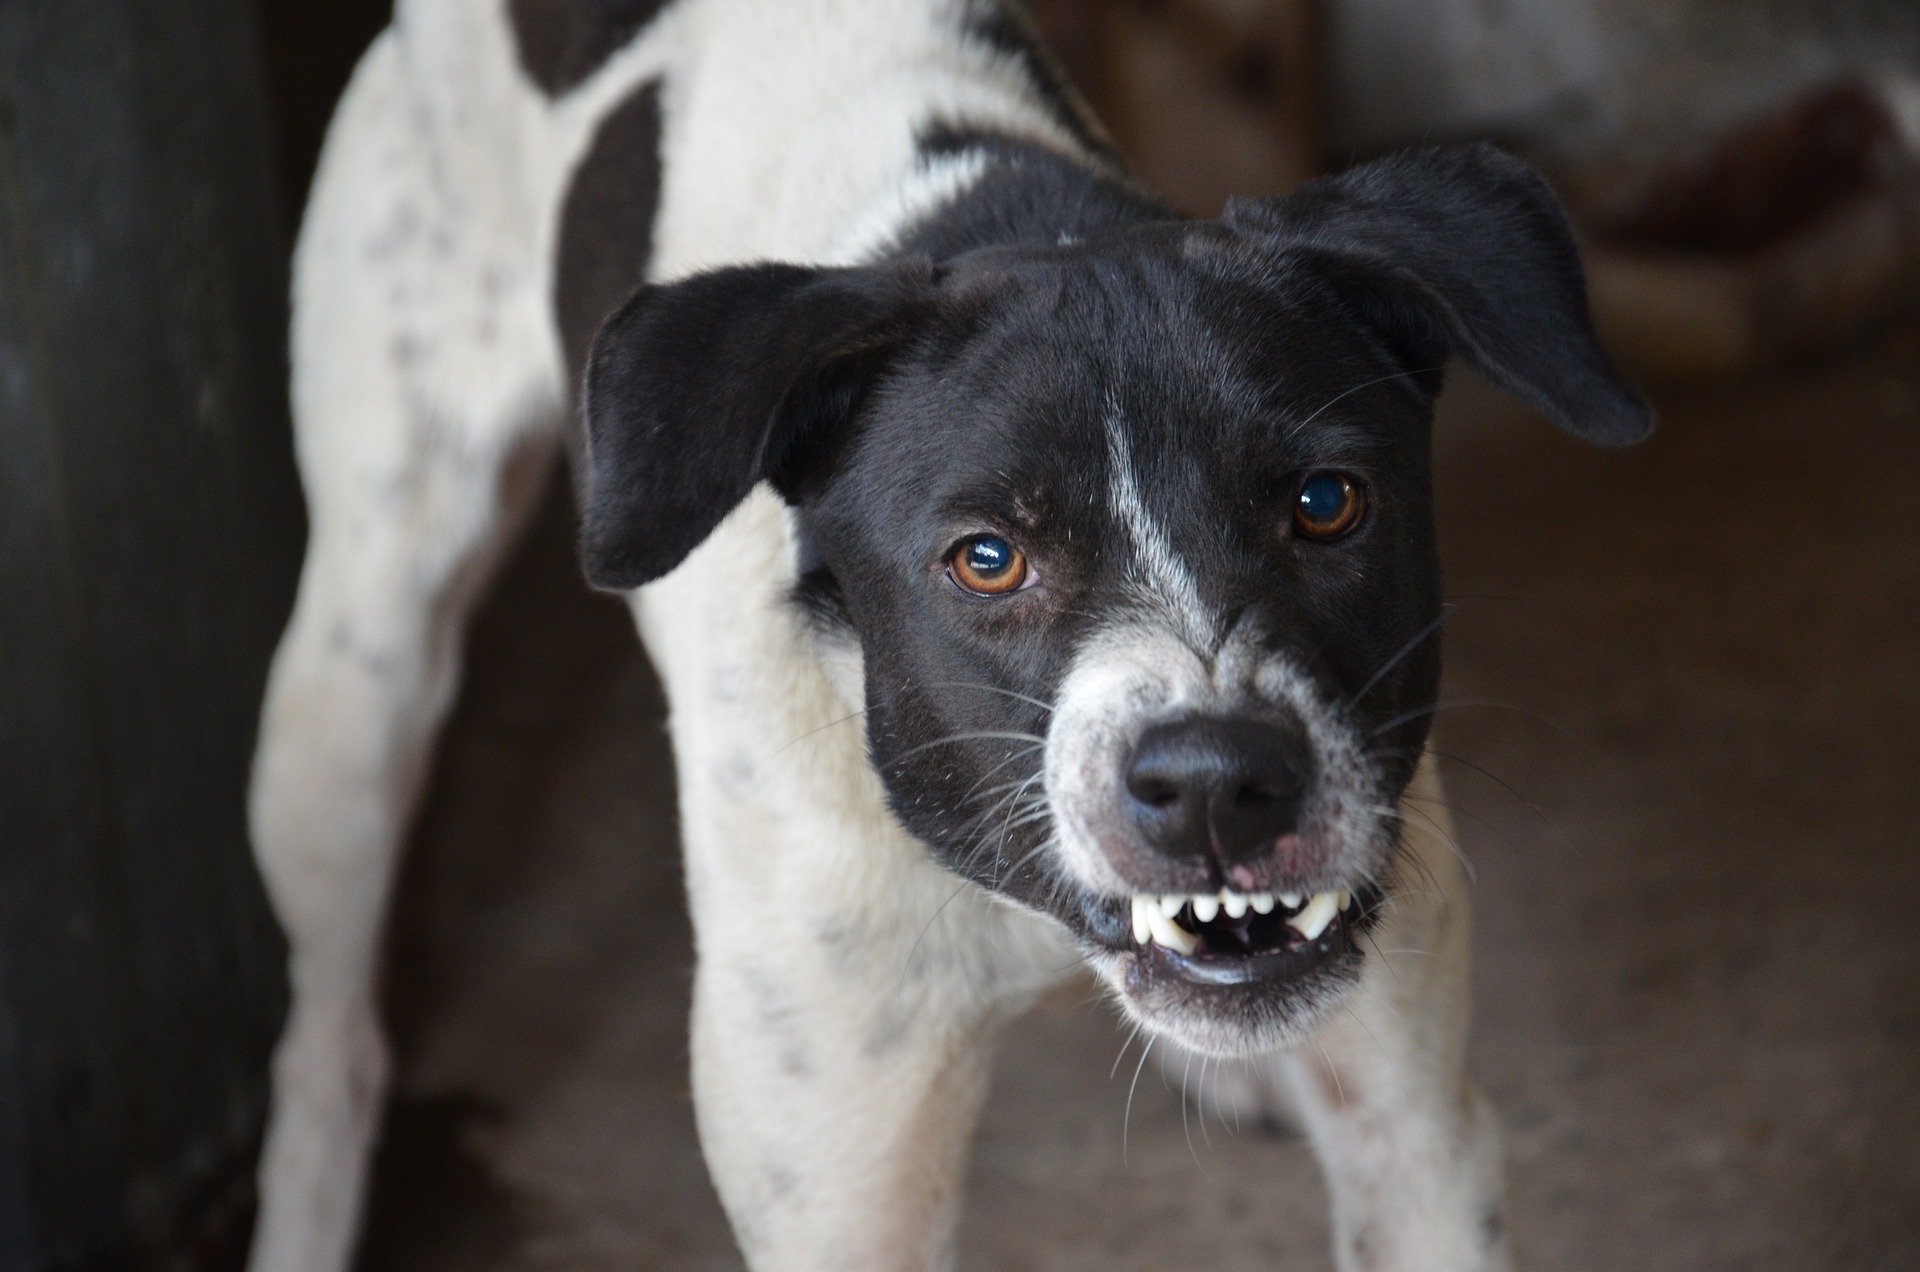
[(1205, 98)]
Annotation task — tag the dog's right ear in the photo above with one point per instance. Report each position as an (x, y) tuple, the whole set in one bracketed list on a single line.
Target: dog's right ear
[(697, 390)]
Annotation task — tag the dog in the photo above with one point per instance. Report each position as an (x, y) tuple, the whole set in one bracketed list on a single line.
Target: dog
[(1038, 580)]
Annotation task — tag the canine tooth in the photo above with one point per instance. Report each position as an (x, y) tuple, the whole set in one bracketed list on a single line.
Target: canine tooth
[(1313, 920), (1204, 908), (1345, 899), (1262, 902), (1290, 899), (1142, 930), (1170, 906), (1171, 934), (1233, 903)]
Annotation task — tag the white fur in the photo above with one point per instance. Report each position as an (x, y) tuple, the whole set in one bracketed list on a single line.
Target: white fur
[(836, 1082), (1163, 576)]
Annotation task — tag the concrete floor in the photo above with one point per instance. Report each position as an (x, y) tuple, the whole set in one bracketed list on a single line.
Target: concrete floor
[(1699, 983)]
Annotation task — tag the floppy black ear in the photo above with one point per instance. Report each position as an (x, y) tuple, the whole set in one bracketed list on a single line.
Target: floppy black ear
[(697, 390), (1466, 252)]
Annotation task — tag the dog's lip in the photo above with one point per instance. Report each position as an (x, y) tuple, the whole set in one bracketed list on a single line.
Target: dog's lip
[(1243, 970)]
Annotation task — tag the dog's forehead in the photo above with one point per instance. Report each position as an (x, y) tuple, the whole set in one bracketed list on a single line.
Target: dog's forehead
[(1169, 325), (1082, 356)]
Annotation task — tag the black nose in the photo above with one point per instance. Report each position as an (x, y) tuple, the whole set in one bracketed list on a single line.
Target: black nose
[(1226, 784)]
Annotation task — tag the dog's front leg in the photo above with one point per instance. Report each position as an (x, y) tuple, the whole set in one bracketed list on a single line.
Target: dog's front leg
[(843, 1022), (1411, 1151)]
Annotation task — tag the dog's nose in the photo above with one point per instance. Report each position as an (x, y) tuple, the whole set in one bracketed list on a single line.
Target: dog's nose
[(1226, 785)]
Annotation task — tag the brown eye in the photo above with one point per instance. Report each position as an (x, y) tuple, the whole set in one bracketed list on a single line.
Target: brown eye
[(1329, 506), (987, 565)]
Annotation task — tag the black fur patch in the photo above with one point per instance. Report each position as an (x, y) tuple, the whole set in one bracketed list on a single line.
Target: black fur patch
[(606, 227), (562, 42)]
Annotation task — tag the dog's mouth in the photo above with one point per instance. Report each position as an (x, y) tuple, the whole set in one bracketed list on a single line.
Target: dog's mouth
[(1264, 939)]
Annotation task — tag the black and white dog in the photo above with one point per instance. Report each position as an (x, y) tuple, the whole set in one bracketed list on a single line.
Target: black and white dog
[(1036, 578)]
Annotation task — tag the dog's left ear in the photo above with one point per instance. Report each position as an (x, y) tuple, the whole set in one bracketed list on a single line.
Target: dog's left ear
[(698, 390), (1465, 252)]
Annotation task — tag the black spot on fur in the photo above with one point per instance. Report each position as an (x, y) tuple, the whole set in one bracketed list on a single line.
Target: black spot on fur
[(562, 42), (606, 227)]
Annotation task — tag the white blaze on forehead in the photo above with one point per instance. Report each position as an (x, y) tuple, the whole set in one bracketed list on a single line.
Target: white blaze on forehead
[(1163, 574)]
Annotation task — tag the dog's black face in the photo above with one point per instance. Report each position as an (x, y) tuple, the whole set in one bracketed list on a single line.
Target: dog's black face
[(1136, 538)]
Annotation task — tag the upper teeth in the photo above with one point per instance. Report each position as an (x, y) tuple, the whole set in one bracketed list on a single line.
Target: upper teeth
[(1153, 916)]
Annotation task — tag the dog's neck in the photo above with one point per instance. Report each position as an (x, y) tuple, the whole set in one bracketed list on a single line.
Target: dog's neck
[(986, 189)]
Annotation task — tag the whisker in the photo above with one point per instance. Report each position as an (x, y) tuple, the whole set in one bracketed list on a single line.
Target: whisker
[(1364, 1027), (1202, 1086), (1385, 961), (1333, 1071), (968, 684), (1126, 1119), (1366, 384), (1131, 1035), (984, 735), (975, 788), (1185, 1071), (1449, 841), (821, 729), (1503, 784), (1417, 712), (1485, 823), (906, 964), (1394, 661)]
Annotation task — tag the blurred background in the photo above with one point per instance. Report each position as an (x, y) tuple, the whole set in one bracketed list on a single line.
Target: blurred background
[(1687, 678)]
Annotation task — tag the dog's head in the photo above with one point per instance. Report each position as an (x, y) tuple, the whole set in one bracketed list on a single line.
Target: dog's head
[(1135, 535)]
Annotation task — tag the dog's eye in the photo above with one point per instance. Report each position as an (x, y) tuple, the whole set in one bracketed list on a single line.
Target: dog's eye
[(1330, 505), (987, 565)]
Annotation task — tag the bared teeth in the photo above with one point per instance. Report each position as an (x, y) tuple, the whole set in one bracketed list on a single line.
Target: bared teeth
[(1318, 912), (1150, 925), (1170, 934), (1154, 917)]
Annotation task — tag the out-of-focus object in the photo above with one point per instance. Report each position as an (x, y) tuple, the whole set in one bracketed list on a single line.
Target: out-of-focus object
[(1205, 98), (1575, 80), (1742, 212), (149, 534), (1791, 234), (1767, 180)]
